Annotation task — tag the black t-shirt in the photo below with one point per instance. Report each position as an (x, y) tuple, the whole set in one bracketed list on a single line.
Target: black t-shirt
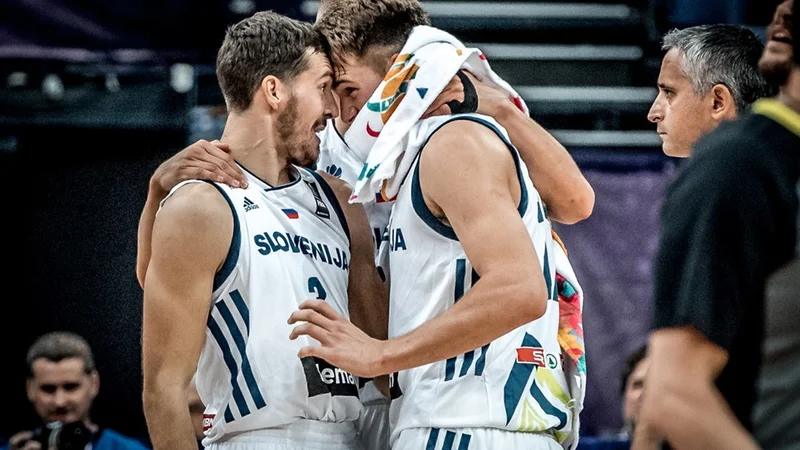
[(729, 223)]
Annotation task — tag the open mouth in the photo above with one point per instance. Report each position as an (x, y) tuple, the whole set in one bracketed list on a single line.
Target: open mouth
[(782, 36)]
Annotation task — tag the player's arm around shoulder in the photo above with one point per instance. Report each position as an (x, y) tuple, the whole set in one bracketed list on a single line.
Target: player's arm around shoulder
[(367, 294), (191, 237)]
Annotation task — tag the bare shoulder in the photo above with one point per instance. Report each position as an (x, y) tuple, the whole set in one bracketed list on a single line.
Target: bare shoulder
[(196, 204), (464, 147)]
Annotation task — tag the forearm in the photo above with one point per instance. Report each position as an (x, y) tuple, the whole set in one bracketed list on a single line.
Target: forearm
[(700, 419), (168, 420), (565, 191), (471, 323), (145, 232)]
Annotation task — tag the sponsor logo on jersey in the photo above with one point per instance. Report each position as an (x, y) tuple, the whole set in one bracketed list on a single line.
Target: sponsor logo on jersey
[(208, 421), (249, 205), (324, 378), (531, 355), (334, 170)]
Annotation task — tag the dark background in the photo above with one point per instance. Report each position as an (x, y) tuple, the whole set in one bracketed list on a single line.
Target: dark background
[(74, 173)]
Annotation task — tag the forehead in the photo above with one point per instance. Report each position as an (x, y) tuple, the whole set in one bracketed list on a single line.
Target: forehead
[(68, 370), (352, 68), (318, 66), (671, 70)]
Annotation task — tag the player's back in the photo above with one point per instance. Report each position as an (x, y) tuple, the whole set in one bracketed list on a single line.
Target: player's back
[(514, 383), (290, 243)]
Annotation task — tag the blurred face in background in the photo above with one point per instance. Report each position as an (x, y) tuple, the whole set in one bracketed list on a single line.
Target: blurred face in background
[(776, 62), (633, 392), (681, 116), (62, 391)]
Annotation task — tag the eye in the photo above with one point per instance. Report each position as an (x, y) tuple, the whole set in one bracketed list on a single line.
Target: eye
[(349, 91)]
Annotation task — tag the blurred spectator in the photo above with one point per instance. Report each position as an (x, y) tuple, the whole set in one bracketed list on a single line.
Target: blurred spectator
[(709, 74), (62, 384), (632, 388)]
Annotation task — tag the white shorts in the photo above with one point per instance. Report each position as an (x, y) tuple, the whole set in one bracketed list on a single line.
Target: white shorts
[(373, 425), (300, 435), (472, 439)]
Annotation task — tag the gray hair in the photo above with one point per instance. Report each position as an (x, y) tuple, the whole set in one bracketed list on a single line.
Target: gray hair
[(59, 345), (722, 54)]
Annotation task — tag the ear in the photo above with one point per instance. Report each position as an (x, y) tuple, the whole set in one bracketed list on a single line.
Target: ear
[(724, 107), (30, 389), (274, 91), (94, 379)]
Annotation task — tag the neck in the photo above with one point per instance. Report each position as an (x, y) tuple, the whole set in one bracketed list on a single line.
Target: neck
[(790, 92), (252, 143)]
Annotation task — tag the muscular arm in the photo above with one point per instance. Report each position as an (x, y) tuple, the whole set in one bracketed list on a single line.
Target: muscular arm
[(681, 403), (190, 239), (368, 297), (202, 160), (478, 192), (567, 194)]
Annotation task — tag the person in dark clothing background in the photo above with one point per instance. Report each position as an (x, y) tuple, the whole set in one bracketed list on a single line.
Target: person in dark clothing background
[(725, 353)]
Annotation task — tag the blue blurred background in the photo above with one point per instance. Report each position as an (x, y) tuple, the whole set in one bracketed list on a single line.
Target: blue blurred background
[(95, 94)]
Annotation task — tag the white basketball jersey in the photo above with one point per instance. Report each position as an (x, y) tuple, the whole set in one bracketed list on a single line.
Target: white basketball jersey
[(514, 383), (339, 160), (290, 243), (336, 158)]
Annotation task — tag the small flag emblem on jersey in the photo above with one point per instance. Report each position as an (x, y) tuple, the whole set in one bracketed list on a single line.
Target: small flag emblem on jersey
[(291, 213)]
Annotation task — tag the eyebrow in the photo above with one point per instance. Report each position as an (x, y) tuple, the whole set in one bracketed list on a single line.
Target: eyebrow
[(664, 86), (327, 74), (338, 82)]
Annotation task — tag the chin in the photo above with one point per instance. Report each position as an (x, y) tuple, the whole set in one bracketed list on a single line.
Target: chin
[(775, 67)]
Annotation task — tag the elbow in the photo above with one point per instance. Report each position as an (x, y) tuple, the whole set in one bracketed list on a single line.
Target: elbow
[(140, 276), (581, 206), (530, 300)]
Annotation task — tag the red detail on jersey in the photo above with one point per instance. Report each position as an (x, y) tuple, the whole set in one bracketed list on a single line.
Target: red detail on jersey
[(482, 56), (208, 420), (531, 355), (372, 132)]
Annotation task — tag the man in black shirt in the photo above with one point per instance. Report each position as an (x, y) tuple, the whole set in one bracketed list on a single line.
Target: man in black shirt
[(725, 353)]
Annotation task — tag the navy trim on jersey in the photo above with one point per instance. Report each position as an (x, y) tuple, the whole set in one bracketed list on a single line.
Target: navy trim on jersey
[(233, 252), (433, 436), (326, 188), (239, 340), (271, 187), (418, 201), (230, 362)]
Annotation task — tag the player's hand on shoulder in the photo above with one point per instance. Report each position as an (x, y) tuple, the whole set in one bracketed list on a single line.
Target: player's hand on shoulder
[(342, 344), (202, 160)]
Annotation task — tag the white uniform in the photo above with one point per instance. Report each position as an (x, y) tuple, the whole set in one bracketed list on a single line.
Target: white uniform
[(290, 243), (509, 394), (336, 158)]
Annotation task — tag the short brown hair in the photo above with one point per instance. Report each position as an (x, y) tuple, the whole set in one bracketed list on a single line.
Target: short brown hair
[(60, 345), (263, 44), (354, 26)]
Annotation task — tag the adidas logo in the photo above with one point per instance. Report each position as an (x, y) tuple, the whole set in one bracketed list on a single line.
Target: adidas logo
[(249, 205)]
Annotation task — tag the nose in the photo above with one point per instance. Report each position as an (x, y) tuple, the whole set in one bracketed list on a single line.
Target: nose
[(349, 111), (331, 107), (60, 398), (656, 113)]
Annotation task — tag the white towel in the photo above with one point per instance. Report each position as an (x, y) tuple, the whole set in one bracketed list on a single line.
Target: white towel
[(428, 61)]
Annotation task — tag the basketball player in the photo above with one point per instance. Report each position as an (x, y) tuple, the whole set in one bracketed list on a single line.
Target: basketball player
[(472, 271), (229, 265), (709, 74)]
